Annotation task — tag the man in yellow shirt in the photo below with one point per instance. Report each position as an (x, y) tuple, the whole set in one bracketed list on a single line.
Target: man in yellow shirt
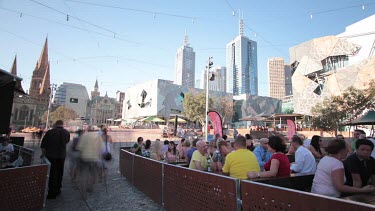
[(241, 161), (198, 159)]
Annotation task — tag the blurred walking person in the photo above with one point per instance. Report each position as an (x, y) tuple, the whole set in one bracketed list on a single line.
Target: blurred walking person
[(54, 148)]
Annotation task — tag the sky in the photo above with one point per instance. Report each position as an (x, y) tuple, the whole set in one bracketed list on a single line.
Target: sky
[(125, 42)]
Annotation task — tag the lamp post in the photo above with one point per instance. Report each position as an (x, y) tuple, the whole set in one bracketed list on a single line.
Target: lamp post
[(208, 67), (52, 88)]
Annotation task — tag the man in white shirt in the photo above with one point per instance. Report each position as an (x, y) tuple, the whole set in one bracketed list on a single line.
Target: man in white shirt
[(304, 159)]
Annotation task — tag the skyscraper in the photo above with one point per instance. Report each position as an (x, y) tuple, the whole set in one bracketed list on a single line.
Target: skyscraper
[(288, 81), (220, 82), (185, 65), (242, 66), (276, 78)]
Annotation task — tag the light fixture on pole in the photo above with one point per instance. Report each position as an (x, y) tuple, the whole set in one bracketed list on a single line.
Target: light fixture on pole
[(52, 88), (208, 67)]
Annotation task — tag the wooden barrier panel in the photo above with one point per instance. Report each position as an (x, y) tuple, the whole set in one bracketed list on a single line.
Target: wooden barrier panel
[(126, 165), (23, 188), (147, 177), (187, 189), (258, 196)]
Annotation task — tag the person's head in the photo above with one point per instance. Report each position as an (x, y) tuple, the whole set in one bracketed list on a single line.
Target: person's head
[(340, 137), (222, 145), (240, 142), (248, 137), (225, 137), (264, 143), (148, 144), (182, 141), (104, 129), (364, 148), (156, 146), (59, 123), (166, 142), (301, 136), (217, 136), (172, 147), (315, 142), (337, 148), (194, 143), (186, 143), (202, 147), (276, 144), (296, 141), (4, 140), (140, 140), (358, 133)]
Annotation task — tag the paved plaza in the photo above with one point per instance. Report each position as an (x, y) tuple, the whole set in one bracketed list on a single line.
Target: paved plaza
[(117, 194)]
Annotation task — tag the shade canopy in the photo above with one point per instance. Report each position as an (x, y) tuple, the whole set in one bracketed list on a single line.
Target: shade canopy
[(367, 119), (179, 120), (151, 119)]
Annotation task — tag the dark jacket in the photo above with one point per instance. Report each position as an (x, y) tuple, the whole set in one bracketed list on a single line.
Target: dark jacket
[(54, 142)]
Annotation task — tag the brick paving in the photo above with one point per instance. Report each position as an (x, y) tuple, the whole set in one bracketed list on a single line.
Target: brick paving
[(118, 194)]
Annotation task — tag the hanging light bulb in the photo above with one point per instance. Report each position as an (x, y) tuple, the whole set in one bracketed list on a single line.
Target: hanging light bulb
[(233, 13), (310, 16), (21, 15), (67, 17), (363, 7)]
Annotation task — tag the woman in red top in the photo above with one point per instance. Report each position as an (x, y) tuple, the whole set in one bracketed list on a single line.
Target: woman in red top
[(278, 165)]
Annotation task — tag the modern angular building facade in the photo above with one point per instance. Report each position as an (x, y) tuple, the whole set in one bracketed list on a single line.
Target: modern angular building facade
[(185, 65), (242, 66), (276, 78), (321, 69)]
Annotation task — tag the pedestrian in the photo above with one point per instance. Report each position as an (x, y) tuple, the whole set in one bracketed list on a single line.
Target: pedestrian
[(54, 148)]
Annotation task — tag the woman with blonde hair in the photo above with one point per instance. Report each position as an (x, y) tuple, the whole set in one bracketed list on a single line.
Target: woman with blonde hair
[(156, 150)]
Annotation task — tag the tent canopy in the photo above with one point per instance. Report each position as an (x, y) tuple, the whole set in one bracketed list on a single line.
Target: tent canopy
[(179, 120), (151, 119), (367, 119)]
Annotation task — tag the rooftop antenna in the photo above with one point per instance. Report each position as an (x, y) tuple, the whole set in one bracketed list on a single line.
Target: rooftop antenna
[(186, 39), (240, 19)]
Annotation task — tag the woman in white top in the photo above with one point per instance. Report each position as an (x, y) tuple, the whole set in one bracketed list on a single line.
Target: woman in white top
[(329, 178)]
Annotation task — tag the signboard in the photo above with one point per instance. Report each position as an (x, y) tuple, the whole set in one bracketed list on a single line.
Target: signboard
[(73, 100)]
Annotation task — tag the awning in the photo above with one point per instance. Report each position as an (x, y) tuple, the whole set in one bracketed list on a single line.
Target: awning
[(6, 77), (367, 119), (179, 120)]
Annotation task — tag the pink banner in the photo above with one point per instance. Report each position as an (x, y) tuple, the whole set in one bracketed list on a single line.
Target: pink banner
[(216, 122), (291, 128)]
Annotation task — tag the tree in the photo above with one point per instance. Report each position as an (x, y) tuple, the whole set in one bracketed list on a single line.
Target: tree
[(61, 113), (224, 106), (345, 107), (195, 106)]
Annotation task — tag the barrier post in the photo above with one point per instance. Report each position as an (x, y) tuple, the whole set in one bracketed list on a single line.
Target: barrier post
[(133, 169), (162, 185), (238, 195), (47, 180)]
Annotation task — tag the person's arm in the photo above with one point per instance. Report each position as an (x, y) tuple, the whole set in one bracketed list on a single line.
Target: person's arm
[(357, 182), (274, 169), (314, 152), (298, 164), (259, 158), (198, 165), (338, 182), (226, 166), (135, 149)]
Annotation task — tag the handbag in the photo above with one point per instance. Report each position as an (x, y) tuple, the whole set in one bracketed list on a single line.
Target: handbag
[(107, 155)]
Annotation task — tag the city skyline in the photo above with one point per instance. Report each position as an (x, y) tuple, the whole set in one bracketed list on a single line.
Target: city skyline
[(146, 43)]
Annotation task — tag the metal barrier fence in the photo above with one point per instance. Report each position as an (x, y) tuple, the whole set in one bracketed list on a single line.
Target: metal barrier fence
[(258, 196), (24, 188), (126, 165), (147, 177), (187, 189)]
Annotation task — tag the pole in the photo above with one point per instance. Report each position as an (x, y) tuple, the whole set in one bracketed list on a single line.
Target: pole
[(206, 125), (49, 104)]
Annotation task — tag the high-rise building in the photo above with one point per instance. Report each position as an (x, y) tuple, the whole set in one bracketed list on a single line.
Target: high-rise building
[(241, 63), (288, 81), (219, 83), (276, 78), (185, 65), (73, 96), (120, 96)]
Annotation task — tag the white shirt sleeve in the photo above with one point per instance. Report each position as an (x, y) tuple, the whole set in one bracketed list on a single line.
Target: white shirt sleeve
[(299, 158)]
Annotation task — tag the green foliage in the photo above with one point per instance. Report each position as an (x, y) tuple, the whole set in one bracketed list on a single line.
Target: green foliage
[(195, 106), (224, 106), (343, 108), (61, 113), (287, 110)]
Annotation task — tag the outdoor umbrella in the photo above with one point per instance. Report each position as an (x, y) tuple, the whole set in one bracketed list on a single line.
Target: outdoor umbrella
[(179, 120)]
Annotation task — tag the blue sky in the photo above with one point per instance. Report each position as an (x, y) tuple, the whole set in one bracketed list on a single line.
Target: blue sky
[(134, 47)]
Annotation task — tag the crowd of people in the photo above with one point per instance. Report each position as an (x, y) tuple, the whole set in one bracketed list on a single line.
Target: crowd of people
[(338, 168)]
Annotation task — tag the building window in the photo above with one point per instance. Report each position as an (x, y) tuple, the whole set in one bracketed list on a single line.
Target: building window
[(24, 113)]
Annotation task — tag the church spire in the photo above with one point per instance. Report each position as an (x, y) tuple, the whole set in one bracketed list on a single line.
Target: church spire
[(96, 87), (43, 59), (13, 70), (46, 81)]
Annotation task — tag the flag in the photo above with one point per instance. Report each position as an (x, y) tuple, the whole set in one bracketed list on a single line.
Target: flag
[(216, 122), (291, 128)]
